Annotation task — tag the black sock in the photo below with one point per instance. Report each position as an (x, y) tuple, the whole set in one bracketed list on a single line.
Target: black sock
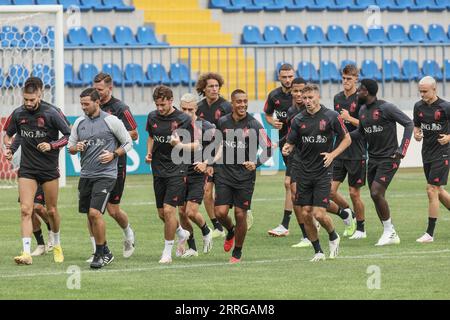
[(360, 225), (316, 246), (48, 226), (286, 218), (99, 249), (191, 242), (302, 227), (332, 235), (237, 252), (205, 230), (39, 237), (431, 226), (106, 249), (217, 224), (343, 214), (230, 233)]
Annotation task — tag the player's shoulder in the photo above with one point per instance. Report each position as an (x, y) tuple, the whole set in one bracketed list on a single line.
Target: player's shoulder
[(339, 96), (206, 124), (253, 122), (17, 111), (79, 121), (385, 105), (329, 112), (275, 92), (418, 104), (224, 119), (152, 115)]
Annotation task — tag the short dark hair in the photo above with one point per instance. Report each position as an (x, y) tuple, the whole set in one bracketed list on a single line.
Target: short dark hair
[(236, 92), (36, 80), (311, 87), (299, 80), (102, 76), (162, 92), (31, 87), (286, 67), (90, 92), (351, 70), (203, 81)]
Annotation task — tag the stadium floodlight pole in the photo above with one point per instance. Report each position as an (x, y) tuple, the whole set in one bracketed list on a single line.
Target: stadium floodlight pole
[(58, 60)]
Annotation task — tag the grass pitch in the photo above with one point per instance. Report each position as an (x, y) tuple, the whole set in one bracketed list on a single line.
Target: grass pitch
[(270, 268)]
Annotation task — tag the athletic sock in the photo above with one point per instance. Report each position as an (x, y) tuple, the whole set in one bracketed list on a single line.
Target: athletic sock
[(332, 235), (99, 249), (316, 246), (56, 239), (128, 232), (302, 227), (26, 242), (168, 245), (343, 214), (39, 237), (360, 225), (94, 246), (216, 224), (181, 233), (106, 248), (230, 233), (237, 252), (191, 242), (205, 230), (431, 226), (388, 226), (48, 226), (286, 218)]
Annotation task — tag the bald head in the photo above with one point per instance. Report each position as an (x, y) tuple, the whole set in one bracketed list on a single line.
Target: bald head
[(427, 89), (428, 80)]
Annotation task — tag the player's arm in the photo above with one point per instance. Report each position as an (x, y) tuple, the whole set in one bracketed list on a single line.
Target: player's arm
[(150, 142), (120, 132), (397, 115), (188, 132), (266, 145), (209, 133), (74, 145), (10, 130), (347, 117), (418, 134), (445, 138), (59, 123), (340, 129), (269, 109), (130, 123)]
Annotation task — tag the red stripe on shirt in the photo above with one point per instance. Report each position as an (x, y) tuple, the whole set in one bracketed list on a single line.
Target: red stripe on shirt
[(130, 119), (7, 123), (342, 125), (405, 147)]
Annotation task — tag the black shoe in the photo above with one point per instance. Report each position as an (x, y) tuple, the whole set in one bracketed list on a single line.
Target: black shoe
[(98, 262), (108, 258)]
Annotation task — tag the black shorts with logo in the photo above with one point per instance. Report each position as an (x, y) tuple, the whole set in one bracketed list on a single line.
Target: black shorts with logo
[(39, 197), (195, 188), (40, 176), (356, 170), (94, 193), (382, 171), (314, 191), (169, 190), (238, 196), (436, 172), (117, 192)]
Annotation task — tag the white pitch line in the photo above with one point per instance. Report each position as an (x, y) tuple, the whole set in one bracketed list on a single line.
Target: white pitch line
[(413, 254)]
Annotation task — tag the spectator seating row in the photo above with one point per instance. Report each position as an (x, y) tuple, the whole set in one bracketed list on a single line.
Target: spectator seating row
[(83, 5)]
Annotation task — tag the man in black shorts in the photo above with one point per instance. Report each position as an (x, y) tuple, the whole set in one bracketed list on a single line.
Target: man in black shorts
[(101, 139), (431, 123), (312, 134), (378, 125), (235, 169)]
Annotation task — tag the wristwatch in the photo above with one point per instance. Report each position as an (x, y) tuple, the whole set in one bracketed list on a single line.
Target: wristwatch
[(115, 154)]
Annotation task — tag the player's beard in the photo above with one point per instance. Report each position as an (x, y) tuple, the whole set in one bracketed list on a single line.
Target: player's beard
[(362, 100)]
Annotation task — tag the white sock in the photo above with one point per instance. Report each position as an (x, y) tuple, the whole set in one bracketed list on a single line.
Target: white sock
[(26, 242), (50, 236), (168, 245), (181, 233), (128, 233), (388, 226), (94, 245), (56, 240)]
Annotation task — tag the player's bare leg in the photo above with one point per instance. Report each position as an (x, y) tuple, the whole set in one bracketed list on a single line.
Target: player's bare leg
[(121, 218), (50, 189)]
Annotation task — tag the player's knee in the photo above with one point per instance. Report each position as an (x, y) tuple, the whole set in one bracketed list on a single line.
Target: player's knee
[(52, 211), (376, 194), (220, 213), (432, 191), (287, 184), (26, 210), (39, 210), (354, 194)]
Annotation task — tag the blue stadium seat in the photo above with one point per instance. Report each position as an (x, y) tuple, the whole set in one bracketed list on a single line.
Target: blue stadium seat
[(431, 68), (252, 35), (16, 76), (445, 3), (218, 4), (412, 5), (446, 69), (307, 71), (32, 37), (181, 71), (345, 63), (70, 77), (396, 33), (157, 74), (315, 5), (49, 37), (361, 5), (314, 34), (436, 33), (124, 36), (356, 34), (2, 78), (410, 70), (273, 35), (10, 36), (78, 36), (134, 74), (389, 5), (246, 5), (404, 4), (5, 2), (45, 73), (376, 34), (115, 72), (431, 5), (293, 35), (101, 36), (46, 2), (146, 36), (329, 72), (295, 5), (87, 73), (391, 70), (340, 5), (416, 33), (336, 34), (369, 69), (272, 5), (69, 3), (96, 5), (119, 5), (23, 2)]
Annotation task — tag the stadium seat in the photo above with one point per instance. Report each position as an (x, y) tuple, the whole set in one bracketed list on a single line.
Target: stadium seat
[(315, 5), (431, 68), (23, 2), (87, 73), (445, 3), (181, 71), (361, 5), (115, 72), (314, 34), (431, 5), (410, 70), (10, 36), (396, 33), (336, 34), (46, 2), (119, 5), (2, 78), (340, 5), (329, 72), (70, 77), (45, 73), (32, 37), (272, 5), (134, 74), (295, 5), (49, 37), (246, 5), (307, 71), (446, 69), (416, 33), (252, 35), (146, 36), (273, 35), (218, 4), (345, 63), (436, 33), (356, 34), (400, 5), (124, 36), (5, 2), (369, 69), (294, 35), (96, 5), (73, 3), (412, 5), (391, 70), (389, 5), (376, 34), (157, 74), (78, 36), (16, 76), (101, 36)]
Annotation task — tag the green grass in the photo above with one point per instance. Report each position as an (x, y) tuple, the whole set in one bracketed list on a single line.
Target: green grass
[(270, 268)]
